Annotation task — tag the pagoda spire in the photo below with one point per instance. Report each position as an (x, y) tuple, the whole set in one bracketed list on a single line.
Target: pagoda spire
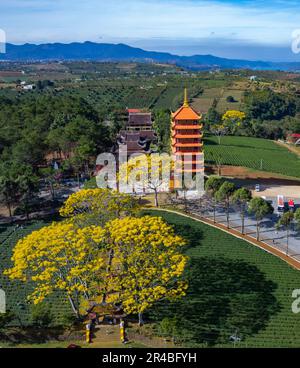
[(186, 100)]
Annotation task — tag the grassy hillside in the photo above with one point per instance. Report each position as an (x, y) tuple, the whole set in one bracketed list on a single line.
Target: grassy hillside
[(234, 287), (255, 153)]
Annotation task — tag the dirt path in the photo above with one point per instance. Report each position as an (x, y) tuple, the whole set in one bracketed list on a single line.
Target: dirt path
[(293, 149), (288, 191), (240, 172), (109, 336), (106, 334)]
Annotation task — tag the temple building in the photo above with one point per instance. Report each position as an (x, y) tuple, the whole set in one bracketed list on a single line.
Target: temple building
[(187, 145), (138, 134)]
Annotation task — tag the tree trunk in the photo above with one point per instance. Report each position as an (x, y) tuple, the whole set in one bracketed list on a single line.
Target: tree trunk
[(287, 241), (257, 230), (9, 211), (26, 211), (156, 198), (52, 191), (243, 222), (110, 259), (73, 306), (78, 180), (227, 215), (201, 207), (214, 213), (141, 321), (185, 202)]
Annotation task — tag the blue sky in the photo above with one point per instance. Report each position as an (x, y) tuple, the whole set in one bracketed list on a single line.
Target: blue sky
[(229, 28)]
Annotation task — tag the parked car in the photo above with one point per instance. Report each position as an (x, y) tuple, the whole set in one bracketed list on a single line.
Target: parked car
[(291, 204), (280, 204)]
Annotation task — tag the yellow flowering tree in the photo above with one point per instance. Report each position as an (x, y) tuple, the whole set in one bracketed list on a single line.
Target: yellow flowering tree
[(59, 257), (146, 263), (147, 173), (231, 120), (132, 261), (97, 206)]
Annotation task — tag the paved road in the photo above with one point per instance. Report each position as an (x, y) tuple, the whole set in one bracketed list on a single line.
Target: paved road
[(268, 232)]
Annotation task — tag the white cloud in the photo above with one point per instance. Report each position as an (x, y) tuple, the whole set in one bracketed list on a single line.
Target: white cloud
[(68, 20)]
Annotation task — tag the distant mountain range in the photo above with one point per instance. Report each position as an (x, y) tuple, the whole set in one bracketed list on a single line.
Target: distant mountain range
[(119, 52)]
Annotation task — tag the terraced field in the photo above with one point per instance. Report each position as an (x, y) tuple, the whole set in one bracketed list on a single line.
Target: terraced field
[(254, 153), (235, 290)]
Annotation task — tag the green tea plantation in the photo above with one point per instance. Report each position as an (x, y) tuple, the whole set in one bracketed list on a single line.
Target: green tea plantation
[(254, 153), (238, 294)]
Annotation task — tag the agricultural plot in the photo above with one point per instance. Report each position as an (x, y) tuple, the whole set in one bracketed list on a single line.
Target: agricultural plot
[(169, 98), (205, 102), (16, 292), (236, 292), (254, 153), (218, 95), (143, 97), (224, 105)]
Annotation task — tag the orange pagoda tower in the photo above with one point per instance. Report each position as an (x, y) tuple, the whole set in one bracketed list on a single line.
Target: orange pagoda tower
[(187, 145)]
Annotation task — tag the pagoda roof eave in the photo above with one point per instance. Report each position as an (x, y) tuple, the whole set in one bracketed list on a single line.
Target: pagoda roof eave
[(186, 113)]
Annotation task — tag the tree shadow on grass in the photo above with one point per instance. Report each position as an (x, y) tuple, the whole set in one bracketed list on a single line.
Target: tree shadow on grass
[(224, 297), (192, 235)]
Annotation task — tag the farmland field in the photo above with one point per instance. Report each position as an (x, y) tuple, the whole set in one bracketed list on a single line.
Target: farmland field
[(234, 289), (205, 102), (224, 105), (254, 153), (218, 96)]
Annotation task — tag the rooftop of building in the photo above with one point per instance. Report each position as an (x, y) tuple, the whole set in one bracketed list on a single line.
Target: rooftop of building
[(140, 118), (186, 112)]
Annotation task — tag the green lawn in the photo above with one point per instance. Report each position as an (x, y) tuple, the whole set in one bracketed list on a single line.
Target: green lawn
[(255, 153), (234, 286)]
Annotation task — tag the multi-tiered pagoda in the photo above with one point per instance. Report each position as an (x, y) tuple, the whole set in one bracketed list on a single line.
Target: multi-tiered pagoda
[(187, 145)]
